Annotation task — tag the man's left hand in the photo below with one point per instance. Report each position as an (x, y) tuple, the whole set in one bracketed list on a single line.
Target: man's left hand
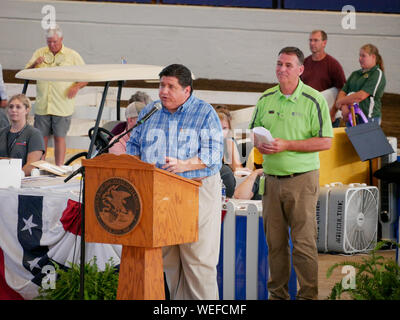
[(72, 91), (74, 88), (174, 165)]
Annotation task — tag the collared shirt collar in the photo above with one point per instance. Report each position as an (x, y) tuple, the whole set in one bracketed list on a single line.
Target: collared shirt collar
[(361, 71), (294, 96), (61, 50)]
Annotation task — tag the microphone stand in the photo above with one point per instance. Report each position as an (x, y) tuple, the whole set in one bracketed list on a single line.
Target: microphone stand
[(102, 150), (82, 171), (107, 147), (82, 257), (141, 121)]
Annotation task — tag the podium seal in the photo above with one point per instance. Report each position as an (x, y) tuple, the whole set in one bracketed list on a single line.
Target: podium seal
[(117, 206)]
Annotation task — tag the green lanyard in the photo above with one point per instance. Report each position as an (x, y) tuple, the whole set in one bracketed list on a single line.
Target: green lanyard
[(261, 186)]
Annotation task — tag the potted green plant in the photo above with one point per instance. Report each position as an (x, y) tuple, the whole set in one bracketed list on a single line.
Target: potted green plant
[(376, 278), (99, 285)]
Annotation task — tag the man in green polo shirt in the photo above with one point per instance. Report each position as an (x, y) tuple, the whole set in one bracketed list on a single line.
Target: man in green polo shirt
[(298, 118)]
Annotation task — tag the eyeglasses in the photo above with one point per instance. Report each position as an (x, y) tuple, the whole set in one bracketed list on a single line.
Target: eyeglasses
[(50, 58)]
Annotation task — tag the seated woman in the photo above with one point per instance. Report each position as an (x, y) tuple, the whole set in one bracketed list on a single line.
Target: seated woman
[(19, 139), (231, 153), (138, 96), (228, 180), (248, 189), (131, 115), (364, 86)]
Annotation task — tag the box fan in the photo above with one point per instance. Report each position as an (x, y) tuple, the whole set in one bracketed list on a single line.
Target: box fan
[(352, 218), (322, 215)]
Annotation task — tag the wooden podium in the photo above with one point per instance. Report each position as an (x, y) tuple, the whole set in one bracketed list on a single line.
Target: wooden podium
[(133, 203)]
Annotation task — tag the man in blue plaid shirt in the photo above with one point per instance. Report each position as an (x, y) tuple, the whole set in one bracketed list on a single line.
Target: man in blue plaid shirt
[(185, 138)]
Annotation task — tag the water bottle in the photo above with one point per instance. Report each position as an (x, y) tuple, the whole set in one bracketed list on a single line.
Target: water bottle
[(223, 191), (223, 200), (123, 60)]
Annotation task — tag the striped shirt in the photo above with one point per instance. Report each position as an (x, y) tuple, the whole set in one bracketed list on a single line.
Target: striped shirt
[(194, 130)]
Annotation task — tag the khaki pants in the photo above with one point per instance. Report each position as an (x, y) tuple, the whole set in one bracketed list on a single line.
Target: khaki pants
[(291, 203), (190, 268)]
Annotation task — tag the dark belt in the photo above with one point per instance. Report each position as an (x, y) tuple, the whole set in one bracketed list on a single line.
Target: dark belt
[(288, 176)]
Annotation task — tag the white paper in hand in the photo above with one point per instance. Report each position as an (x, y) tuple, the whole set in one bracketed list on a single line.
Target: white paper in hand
[(262, 135)]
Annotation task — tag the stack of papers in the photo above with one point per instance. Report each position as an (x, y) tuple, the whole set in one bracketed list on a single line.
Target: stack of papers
[(262, 135), (49, 167), (52, 182)]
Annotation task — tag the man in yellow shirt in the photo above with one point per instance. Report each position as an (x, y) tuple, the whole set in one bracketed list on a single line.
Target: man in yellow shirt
[(55, 101)]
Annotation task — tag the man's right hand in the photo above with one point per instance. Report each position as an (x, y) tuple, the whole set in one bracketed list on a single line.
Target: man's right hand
[(37, 62)]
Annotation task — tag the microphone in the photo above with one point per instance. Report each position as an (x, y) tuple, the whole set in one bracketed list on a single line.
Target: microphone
[(156, 107)]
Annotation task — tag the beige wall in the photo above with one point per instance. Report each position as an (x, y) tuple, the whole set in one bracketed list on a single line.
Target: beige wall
[(216, 43)]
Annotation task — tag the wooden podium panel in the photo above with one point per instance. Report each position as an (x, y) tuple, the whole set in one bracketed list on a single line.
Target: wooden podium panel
[(133, 203), (141, 275), (169, 203)]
